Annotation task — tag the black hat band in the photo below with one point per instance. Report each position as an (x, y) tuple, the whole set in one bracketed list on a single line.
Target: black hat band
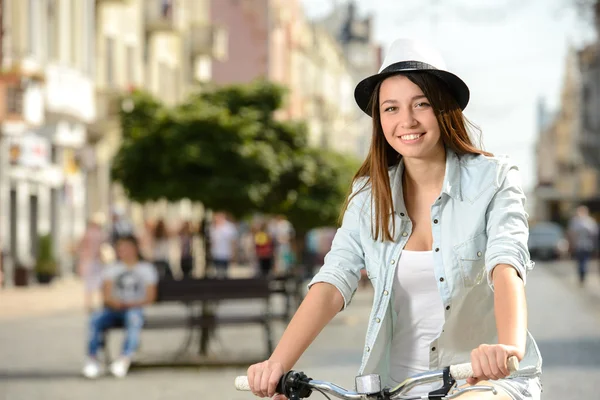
[(407, 65)]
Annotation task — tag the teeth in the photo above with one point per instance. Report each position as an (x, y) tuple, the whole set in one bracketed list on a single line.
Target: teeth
[(411, 137)]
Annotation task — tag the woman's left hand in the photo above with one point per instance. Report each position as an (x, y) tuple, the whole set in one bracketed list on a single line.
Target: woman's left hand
[(489, 362)]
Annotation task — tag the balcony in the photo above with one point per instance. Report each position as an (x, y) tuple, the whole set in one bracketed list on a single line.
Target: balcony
[(209, 40), (108, 105), (159, 16), (21, 96)]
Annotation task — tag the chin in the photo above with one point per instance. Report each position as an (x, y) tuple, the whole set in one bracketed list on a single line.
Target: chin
[(418, 153)]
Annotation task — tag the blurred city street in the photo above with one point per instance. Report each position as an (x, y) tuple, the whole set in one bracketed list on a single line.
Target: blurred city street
[(42, 353), (152, 149)]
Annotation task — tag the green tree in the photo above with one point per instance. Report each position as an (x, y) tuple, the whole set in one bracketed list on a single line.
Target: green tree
[(226, 149), (201, 151), (319, 198)]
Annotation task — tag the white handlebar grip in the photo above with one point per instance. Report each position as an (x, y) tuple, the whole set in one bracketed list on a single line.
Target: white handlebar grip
[(241, 383), (464, 371)]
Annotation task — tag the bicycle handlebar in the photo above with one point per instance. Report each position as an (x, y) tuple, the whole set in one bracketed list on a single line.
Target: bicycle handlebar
[(465, 371), (301, 382)]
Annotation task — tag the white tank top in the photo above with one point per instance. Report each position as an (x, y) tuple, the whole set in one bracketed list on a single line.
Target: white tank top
[(420, 312)]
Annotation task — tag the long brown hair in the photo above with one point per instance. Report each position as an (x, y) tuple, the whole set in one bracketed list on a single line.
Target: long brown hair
[(453, 132)]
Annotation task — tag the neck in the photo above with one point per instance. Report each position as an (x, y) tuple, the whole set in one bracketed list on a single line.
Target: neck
[(425, 173), (130, 263)]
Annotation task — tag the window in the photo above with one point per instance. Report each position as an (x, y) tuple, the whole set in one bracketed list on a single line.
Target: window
[(130, 56), (75, 34), (163, 79), (167, 8), (14, 100), (90, 37), (33, 28), (52, 34), (109, 57), (175, 84)]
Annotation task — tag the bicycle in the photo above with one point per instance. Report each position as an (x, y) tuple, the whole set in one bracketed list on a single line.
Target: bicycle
[(296, 385)]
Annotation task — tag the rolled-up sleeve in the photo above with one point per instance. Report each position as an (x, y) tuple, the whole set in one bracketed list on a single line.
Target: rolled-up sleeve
[(507, 227), (346, 258)]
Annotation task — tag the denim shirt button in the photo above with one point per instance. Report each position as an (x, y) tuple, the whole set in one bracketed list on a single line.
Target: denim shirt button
[(478, 254), (442, 279), (368, 349), (404, 234), (377, 320), (385, 292), (393, 262)]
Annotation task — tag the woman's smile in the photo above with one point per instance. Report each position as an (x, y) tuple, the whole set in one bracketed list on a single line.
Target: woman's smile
[(411, 138)]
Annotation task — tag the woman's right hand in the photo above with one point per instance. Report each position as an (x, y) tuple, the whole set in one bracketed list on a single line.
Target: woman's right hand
[(264, 377)]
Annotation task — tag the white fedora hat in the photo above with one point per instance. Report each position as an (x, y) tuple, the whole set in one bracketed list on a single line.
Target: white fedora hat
[(408, 55)]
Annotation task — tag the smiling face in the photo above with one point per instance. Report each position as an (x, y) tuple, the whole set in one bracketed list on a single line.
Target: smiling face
[(408, 120)]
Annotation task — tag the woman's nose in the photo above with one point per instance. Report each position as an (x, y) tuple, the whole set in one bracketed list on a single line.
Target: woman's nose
[(407, 120)]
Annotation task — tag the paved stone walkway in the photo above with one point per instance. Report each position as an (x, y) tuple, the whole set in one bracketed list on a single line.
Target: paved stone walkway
[(41, 354)]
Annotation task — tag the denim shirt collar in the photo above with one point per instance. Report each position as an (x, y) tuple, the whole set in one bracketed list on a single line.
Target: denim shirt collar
[(450, 186)]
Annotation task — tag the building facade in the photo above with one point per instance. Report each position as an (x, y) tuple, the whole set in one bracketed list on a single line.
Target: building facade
[(164, 47), (272, 39), (67, 67), (47, 102), (565, 177), (355, 34)]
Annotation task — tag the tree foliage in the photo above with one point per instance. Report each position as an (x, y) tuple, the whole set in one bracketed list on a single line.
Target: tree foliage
[(226, 149)]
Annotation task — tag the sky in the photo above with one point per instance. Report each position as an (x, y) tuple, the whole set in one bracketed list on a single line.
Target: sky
[(510, 53)]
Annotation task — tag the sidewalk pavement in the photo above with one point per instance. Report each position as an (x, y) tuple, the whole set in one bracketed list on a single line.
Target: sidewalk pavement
[(46, 353), (566, 271), (64, 294)]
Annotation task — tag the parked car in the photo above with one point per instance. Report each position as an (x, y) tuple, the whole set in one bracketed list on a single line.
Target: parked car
[(548, 241)]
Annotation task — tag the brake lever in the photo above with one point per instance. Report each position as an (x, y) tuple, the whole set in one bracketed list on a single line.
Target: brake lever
[(293, 385)]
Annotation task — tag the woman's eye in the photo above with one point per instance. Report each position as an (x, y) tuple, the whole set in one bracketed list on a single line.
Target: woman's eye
[(390, 109), (423, 104)]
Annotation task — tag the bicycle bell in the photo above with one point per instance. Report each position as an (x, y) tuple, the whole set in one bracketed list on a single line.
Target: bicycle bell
[(368, 384)]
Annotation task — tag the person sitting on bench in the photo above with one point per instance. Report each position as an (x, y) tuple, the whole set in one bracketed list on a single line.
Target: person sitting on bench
[(128, 285)]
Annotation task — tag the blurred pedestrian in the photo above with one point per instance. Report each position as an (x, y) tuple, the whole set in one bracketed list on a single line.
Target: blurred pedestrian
[(186, 255), (583, 237), (89, 259), (128, 286), (264, 247), (161, 250), (223, 239), (146, 238), (283, 233), (121, 226)]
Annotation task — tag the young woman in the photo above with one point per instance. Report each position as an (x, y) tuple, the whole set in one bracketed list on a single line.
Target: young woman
[(160, 249), (186, 249), (441, 229), (90, 263), (264, 248), (128, 286)]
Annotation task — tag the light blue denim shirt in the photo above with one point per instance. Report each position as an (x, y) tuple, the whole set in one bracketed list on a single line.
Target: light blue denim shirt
[(478, 222)]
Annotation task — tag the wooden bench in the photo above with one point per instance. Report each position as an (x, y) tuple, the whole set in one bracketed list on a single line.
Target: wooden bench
[(200, 297), (289, 286)]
